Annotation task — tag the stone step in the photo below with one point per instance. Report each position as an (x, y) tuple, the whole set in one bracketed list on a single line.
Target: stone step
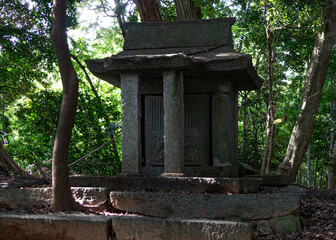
[(211, 206), (272, 180), (15, 226), (88, 227), (31, 196), (145, 228), (177, 184)]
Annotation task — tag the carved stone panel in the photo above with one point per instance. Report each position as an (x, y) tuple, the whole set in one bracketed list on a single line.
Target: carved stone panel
[(154, 130), (196, 130)]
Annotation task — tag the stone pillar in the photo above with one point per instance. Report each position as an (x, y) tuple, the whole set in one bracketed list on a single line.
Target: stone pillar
[(131, 116), (173, 124), (225, 129)]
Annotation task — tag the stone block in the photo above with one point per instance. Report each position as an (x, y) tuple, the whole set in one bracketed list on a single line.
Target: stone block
[(177, 34), (31, 196), (180, 184), (53, 227), (225, 131), (272, 180), (90, 195), (286, 224), (211, 206), (16, 197), (300, 190), (144, 228), (245, 169), (264, 227)]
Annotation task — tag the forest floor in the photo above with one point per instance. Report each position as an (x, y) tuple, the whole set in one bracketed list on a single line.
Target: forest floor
[(318, 208)]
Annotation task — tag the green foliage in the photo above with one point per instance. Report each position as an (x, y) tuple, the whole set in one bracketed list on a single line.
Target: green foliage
[(35, 127)]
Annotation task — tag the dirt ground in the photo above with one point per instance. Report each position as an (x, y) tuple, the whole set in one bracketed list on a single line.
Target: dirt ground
[(319, 210)]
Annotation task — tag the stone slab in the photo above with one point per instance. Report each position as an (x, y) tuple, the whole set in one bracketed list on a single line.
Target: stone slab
[(16, 226), (144, 228), (161, 184), (211, 206), (31, 196), (195, 33), (53, 227), (225, 131), (272, 180), (286, 224)]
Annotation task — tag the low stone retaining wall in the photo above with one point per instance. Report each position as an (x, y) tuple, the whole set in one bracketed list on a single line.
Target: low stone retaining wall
[(162, 184), (53, 227), (31, 196), (86, 227), (210, 206)]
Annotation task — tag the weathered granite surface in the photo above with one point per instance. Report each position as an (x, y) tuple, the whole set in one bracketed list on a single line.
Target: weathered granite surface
[(272, 180), (264, 227), (145, 228), (131, 130), (180, 184), (195, 33), (211, 206), (53, 227), (30, 196), (87, 227), (225, 131), (286, 224), (173, 122)]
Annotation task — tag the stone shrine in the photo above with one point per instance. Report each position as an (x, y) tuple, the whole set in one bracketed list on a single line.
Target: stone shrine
[(179, 85)]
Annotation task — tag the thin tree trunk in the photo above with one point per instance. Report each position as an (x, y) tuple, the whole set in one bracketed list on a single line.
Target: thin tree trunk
[(266, 148), (62, 199), (271, 150), (244, 106), (309, 166), (311, 94), (332, 155), (7, 164), (270, 128), (332, 171), (107, 120), (148, 10), (186, 10)]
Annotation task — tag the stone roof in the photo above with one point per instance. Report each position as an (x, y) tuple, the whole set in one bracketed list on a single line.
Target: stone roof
[(191, 46)]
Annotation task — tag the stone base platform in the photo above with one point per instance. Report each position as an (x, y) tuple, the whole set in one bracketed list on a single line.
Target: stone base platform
[(210, 206), (85, 227), (272, 180), (171, 184)]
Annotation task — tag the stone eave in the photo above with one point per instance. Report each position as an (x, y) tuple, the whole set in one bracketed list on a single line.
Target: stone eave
[(236, 65)]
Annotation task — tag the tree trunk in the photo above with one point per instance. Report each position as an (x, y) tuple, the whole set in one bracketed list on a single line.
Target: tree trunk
[(270, 128), (62, 199), (186, 10), (311, 94), (332, 171), (148, 10), (244, 106), (7, 164), (332, 155), (309, 166)]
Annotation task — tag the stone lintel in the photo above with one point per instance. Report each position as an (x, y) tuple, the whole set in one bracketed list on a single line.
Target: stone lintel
[(131, 116), (225, 131), (173, 122), (226, 86)]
